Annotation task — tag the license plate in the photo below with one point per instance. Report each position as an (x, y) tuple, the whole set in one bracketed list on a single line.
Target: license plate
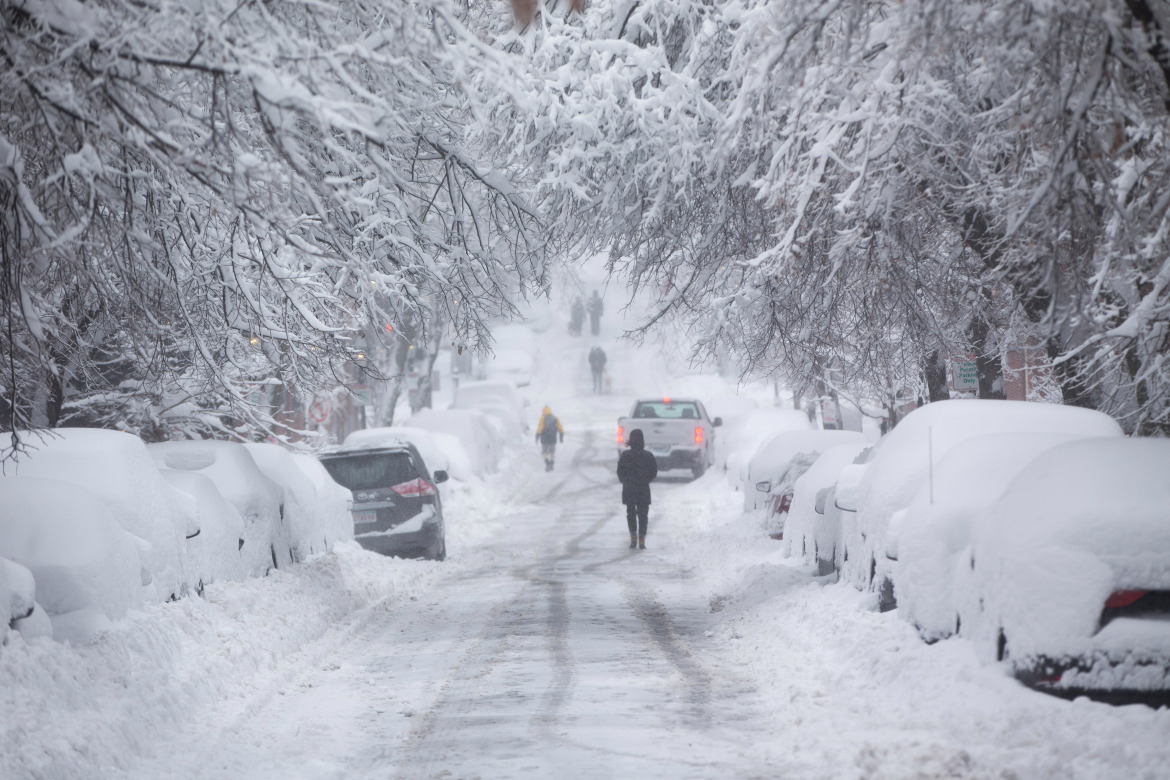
[(365, 518)]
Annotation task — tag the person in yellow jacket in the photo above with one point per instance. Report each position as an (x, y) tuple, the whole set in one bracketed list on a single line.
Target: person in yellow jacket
[(547, 432)]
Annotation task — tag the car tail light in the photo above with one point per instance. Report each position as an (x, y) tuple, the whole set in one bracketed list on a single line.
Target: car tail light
[(1121, 599), (698, 435), (621, 435), (415, 488)]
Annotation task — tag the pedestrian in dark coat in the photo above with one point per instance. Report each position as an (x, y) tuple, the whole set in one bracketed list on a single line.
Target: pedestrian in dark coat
[(636, 469)]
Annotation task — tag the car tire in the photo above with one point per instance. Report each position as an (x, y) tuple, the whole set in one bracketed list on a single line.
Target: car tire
[(441, 553), (699, 469)]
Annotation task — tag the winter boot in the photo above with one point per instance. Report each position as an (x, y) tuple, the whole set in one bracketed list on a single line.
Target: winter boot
[(633, 541), (641, 542)]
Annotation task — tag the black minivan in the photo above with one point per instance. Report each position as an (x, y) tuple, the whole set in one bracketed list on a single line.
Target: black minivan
[(396, 506)]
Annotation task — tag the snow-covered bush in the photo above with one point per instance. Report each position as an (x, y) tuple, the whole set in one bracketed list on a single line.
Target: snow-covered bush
[(936, 529), (472, 427), (904, 458), (258, 499), (742, 436), (809, 533), (1067, 568), (87, 568), (117, 467)]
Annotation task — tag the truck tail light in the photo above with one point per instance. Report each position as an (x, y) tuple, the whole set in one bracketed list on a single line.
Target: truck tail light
[(698, 435), (621, 435)]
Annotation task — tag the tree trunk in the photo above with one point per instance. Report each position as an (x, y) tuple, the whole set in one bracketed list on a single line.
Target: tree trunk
[(936, 377)]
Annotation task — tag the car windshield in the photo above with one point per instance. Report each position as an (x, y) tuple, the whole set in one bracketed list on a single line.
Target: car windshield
[(667, 409), (373, 470)]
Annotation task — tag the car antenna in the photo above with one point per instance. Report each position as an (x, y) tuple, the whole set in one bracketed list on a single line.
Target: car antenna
[(930, 459)]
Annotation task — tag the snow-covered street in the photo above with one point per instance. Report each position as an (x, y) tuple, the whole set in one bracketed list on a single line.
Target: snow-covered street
[(543, 647)]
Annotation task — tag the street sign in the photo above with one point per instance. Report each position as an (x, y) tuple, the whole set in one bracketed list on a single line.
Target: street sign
[(965, 374)]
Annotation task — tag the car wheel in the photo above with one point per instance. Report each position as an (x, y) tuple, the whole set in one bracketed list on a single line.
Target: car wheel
[(699, 469), (441, 553)]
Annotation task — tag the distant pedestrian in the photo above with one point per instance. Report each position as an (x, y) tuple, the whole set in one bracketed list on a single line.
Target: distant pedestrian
[(636, 469), (547, 432), (576, 317), (597, 366), (595, 309)]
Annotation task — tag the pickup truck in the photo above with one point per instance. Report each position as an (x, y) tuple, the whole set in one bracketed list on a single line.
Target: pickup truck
[(678, 432)]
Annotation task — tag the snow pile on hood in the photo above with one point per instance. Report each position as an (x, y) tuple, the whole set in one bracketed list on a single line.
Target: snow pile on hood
[(313, 521)]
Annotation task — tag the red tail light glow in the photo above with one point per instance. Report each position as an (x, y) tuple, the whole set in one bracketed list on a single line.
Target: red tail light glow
[(621, 435), (698, 435), (415, 488), (1120, 599)]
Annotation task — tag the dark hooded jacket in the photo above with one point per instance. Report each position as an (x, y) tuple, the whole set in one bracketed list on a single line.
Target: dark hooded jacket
[(636, 470)]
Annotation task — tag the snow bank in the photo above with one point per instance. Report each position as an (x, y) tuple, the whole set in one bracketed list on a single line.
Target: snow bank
[(87, 568), (258, 499), (117, 468), (472, 427), (72, 712), (1082, 520)]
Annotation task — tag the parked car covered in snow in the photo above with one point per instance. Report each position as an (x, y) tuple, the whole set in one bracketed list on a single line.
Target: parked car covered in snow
[(744, 434), (768, 466), (117, 468), (259, 500), (87, 569), (813, 529), (473, 427), (397, 509), (936, 529), (500, 401), (1068, 575), (678, 432), (880, 490)]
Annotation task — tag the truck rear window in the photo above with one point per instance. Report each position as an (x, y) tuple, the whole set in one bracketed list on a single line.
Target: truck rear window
[(673, 410), (366, 472)]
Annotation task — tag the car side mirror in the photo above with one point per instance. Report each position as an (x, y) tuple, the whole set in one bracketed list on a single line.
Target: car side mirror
[(822, 495), (765, 486), (848, 486), (440, 477), (717, 422)]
